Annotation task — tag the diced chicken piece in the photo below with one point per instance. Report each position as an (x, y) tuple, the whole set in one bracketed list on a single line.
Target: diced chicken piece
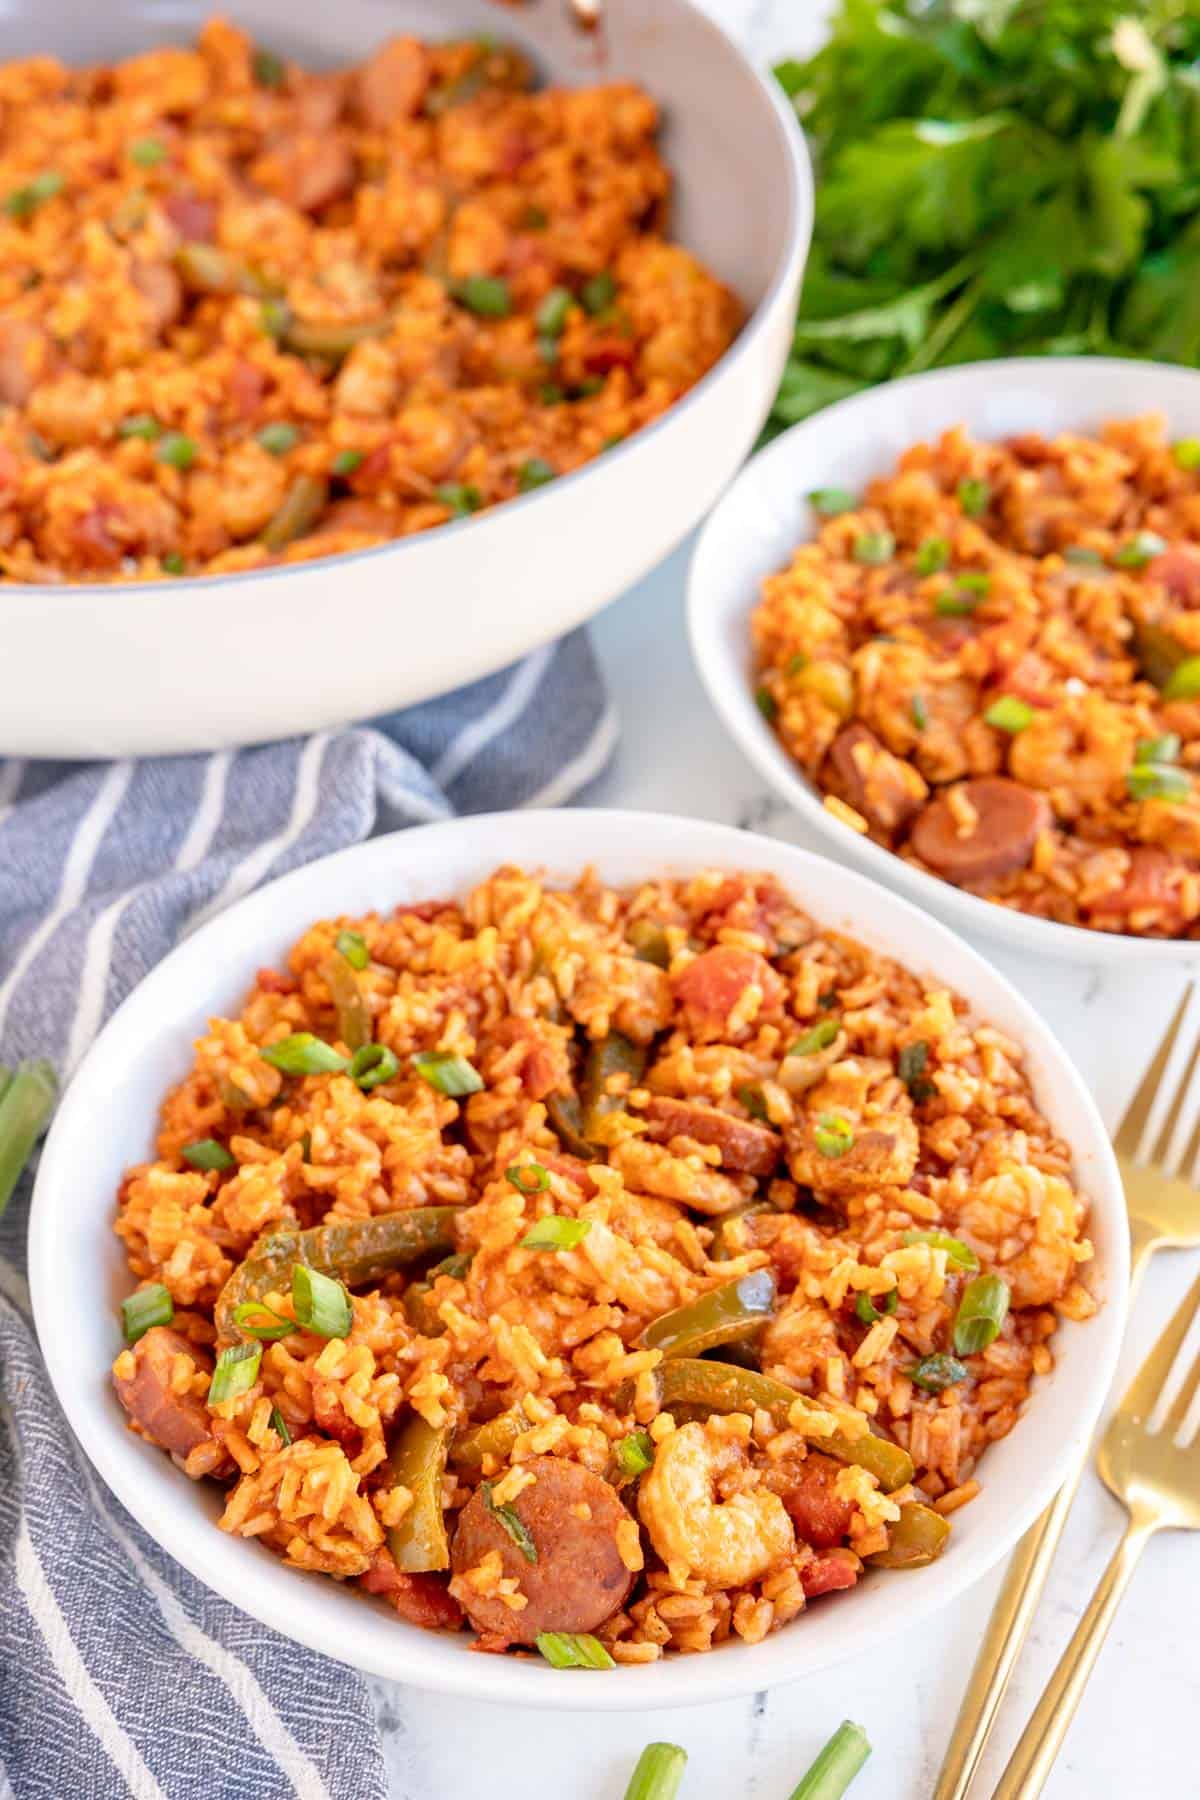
[(835, 1155)]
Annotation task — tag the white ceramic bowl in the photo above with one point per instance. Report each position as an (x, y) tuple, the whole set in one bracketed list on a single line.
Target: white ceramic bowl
[(758, 523), (170, 666), (107, 1121)]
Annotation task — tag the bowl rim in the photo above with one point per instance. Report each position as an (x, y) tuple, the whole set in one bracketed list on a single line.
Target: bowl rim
[(259, 926), (797, 233), (723, 682)]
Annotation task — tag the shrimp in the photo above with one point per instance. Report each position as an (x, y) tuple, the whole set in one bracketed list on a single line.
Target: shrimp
[(726, 1543), (1079, 753)]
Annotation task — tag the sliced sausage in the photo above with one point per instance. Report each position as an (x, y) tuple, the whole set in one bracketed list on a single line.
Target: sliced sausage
[(1150, 882), (392, 82), (176, 1422), (826, 1574), (578, 1580), (881, 1155), (422, 1600), (858, 770), (806, 1489), (1009, 818), (193, 218), (312, 171), (746, 1147), (711, 986), (1178, 569)]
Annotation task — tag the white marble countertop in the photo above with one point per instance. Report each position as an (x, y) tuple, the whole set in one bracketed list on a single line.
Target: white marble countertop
[(1133, 1735)]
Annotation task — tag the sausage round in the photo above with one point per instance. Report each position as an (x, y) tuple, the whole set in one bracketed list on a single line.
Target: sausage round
[(578, 1580), (1010, 816), (886, 791), (176, 1422), (746, 1147)]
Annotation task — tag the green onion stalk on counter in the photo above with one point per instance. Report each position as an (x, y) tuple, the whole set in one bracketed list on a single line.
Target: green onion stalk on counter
[(27, 1096), (660, 1768)]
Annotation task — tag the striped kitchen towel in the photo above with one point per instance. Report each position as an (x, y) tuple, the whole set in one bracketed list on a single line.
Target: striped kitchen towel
[(119, 1674)]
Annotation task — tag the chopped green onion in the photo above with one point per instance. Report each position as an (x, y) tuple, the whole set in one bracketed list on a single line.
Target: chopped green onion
[(25, 200), (1163, 749), (551, 315), (955, 605), (936, 1373), (973, 581), (346, 461), (236, 1372), (271, 1325), (910, 1066), (874, 547), (487, 296), (140, 425), (528, 1178), (658, 1773), (766, 703), (834, 1135), (534, 474), (150, 1306), (795, 664), (1187, 454), (1084, 556), (974, 497), (573, 1650), (960, 1254), (268, 69), (554, 1233), (981, 1313), (1140, 550), (551, 394), (173, 563), (819, 1038), (634, 1454), (836, 1766), (147, 152), (1009, 713), (508, 1516), (1157, 781), (275, 316), (598, 293), (176, 449), (933, 553), (866, 1310), (25, 1107), (450, 1075), (207, 1154), (461, 498), (279, 1427), (920, 712), (536, 218), (751, 1098), (353, 946), (304, 1054), (371, 1066), (831, 502), (1184, 681), (279, 437), (321, 1304)]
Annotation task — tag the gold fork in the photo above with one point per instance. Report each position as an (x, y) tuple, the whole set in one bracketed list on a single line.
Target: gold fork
[(1164, 1211), (1150, 1459)]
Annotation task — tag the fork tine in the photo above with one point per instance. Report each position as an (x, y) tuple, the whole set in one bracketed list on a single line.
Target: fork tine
[(1145, 1114), (1178, 1129), (1181, 1406), (1142, 1395)]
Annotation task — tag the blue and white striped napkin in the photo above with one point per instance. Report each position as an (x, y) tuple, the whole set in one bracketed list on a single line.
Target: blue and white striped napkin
[(119, 1674)]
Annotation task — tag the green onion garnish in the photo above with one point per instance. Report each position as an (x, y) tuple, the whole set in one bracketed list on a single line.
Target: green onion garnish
[(353, 946), (279, 1427), (555, 1233), (534, 473), (658, 1773), (451, 1075), (321, 1303), (303, 1054), (535, 218), (960, 1254), (236, 1372), (487, 296), (973, 581), (147, 152), (766, 703), (834, 1135), (1140, 550), (1157, 781), (1009, 713), (573, 1650), (460, 497), (1184, 681), (551, 315), (528, 1178), (831, 502), (270, 1324), (598, 293), (933, 553), (634, 1454), (268, 69), (1084, 556), (936, 1373), (279, 437), (910, 1066), (981, 1313), (512, 1523), (150, 1306), (176, 449), (874, 547), (275, 316), (551, 394), (974, 497), (207, 1154), (26, 1102), (955, 606), (25, 200), (173, 563), (140, 425), (1164, 749), (867, 1312), (1187, 454), (751, 1098), (920, 712), (371, 1066), (836, 1766), (819, 1038), (346, 461)]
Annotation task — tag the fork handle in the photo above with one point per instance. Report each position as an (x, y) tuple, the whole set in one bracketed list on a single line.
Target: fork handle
[(1031, 1761)]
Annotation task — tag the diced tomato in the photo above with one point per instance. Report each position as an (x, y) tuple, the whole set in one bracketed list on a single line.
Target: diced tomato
[(610, 352), (826, 1574), (821, 1518), (711, 987), (423, 1600), (270, 981), (194, 218), (247, 384), (1179, 571)]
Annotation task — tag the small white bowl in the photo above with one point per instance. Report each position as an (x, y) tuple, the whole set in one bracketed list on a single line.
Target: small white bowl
[(756, 526), (107, 1120)]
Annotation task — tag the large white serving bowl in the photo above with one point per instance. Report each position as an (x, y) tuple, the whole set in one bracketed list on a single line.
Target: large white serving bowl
[(131, 669), (107, 1121), (765, 513)]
